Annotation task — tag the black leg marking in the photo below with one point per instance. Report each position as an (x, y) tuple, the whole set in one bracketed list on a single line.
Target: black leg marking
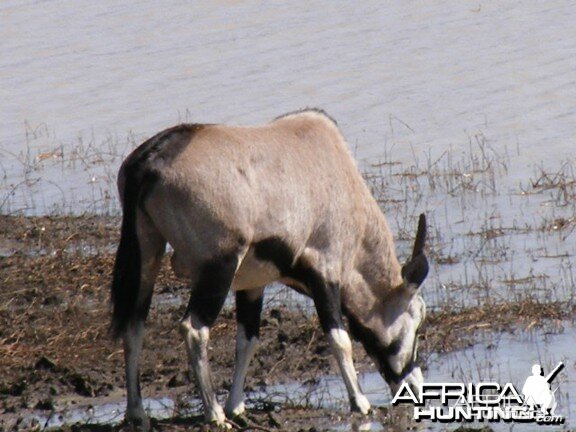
[(327, 301), (209, 293), (277, 252), (207, 298), (248, 313), (326, 296)]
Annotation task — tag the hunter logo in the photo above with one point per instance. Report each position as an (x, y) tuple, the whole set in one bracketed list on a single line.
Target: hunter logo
[(537, 391), (490, 401)]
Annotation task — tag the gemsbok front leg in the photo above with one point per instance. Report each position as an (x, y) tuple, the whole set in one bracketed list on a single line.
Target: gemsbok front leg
[(327, 301), (248, 310), (207, 298)]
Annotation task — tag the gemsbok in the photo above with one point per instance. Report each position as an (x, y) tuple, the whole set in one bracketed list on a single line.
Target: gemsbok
[(246, 206)]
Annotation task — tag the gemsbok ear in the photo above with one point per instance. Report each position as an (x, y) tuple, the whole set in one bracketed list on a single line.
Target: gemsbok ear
[(416, 269)]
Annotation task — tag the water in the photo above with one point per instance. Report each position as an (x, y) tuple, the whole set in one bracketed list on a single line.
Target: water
[(84, 81), (467, 104), (102, 414), (508, 358), (468, 108)]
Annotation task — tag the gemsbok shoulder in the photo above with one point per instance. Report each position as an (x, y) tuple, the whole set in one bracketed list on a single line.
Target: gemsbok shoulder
[(246, 206)]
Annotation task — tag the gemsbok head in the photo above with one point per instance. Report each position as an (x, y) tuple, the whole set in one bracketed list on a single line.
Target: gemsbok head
[(246, 206)]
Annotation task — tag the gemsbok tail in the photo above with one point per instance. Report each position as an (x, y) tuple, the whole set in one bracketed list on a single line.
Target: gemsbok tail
[(137, 176), (127, 267)]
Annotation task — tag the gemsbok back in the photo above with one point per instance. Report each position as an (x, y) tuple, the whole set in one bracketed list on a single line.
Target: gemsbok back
[(246, 206)]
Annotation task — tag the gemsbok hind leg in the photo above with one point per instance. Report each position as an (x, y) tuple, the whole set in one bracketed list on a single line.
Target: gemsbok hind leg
[(152, 247), (248, 310), (327, 301), (208, 295)]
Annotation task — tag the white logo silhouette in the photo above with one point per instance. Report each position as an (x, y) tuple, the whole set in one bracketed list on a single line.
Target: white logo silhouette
[(537, 391), (465, 402)]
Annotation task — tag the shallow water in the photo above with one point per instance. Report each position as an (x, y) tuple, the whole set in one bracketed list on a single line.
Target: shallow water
[(497, 358), (504, 358)]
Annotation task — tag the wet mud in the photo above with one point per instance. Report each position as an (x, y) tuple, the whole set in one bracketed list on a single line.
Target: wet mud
[(56, 354)]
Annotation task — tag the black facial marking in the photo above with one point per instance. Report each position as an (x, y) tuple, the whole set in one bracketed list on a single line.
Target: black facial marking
[(392, 376), (326, 298), (394, 348), (248, 313), (377, 351), (209, 293)]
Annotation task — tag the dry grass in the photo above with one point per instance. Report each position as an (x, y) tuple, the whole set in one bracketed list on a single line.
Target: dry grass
[(54, 317), (448, 329)]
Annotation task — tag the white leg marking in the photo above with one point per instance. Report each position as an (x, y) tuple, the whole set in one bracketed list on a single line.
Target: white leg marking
[(196, 337), (244, 352), (342, 347)]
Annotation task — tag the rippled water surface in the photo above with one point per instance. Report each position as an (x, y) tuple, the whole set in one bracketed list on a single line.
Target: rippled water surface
[(78, 78), (465, 110)]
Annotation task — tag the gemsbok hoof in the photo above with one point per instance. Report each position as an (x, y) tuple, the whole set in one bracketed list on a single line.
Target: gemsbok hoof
[(141, 424), (220, 425), (233, 412), (360, 404)]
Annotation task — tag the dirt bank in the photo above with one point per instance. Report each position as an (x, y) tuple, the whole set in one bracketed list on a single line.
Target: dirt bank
[(55, 351)]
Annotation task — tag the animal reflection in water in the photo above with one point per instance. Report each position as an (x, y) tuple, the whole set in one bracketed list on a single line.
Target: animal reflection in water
[(537, 390)]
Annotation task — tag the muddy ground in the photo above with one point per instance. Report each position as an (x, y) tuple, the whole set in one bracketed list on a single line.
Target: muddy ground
[(56, 352)]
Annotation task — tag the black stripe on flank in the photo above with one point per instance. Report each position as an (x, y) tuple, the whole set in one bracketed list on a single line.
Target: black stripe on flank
[(326, 295), (277, 252)]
